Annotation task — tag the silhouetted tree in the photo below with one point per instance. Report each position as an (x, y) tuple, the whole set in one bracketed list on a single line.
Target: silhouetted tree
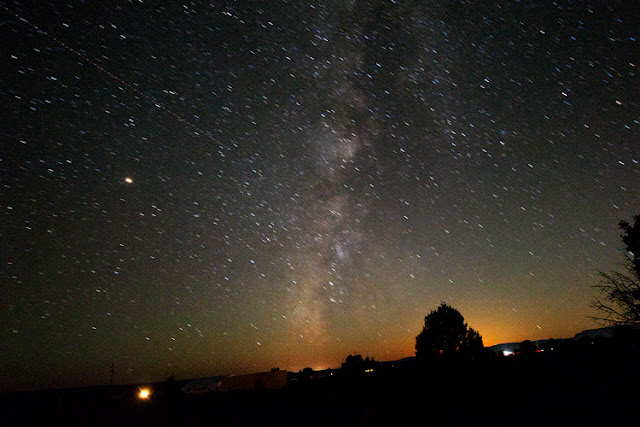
[(527, 348), (356, 364), (620, 300), (353, 360), (474, 344), (631, 239), (305, 374), (446, 335)]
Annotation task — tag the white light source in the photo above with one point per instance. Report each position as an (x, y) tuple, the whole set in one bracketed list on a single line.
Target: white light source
[(144, 394)]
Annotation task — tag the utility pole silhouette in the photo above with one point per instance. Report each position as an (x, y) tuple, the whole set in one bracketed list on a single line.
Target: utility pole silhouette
[(111, 373)]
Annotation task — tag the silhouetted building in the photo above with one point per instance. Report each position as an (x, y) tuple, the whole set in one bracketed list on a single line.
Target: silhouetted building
[(591, 334), (261, 381), (202, 385)]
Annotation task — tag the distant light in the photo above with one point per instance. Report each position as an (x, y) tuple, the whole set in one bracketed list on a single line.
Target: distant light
[(144, 394), (507, 353), (368, 370), (128, 180)]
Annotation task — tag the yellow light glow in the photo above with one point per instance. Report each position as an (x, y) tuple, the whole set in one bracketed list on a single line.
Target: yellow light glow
[(128, 180), (144, 394)]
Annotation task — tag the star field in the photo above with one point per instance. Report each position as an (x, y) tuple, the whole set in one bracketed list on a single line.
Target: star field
[(223, 188)]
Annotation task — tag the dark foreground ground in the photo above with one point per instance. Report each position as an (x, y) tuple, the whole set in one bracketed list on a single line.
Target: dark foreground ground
[(598, 388)]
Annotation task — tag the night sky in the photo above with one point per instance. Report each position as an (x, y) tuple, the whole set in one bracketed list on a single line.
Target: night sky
[(225, 188)]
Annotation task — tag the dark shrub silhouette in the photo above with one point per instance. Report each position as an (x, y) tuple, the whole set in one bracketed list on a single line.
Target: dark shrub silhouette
[(527, 348)]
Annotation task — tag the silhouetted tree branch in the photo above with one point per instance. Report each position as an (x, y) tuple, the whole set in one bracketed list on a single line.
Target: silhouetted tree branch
[(631, 239), (619, 302)]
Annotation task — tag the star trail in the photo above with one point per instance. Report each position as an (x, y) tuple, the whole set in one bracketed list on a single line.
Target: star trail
[(202, 189)]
